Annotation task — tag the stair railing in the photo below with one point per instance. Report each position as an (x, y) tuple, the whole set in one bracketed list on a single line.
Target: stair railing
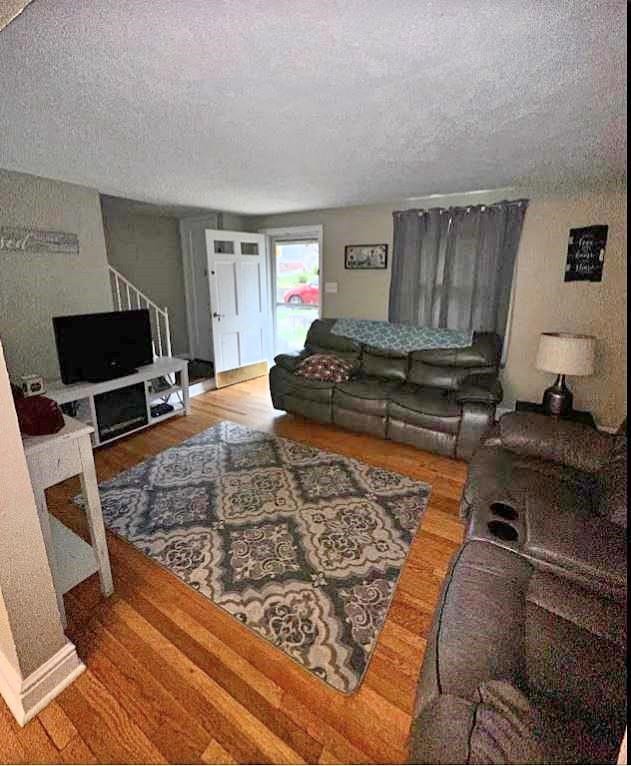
[(127, 296)]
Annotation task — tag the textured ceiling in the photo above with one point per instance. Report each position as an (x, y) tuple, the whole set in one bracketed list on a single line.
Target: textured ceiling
[(260, 106)]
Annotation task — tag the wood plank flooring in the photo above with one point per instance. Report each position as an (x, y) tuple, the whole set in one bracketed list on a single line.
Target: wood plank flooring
[(173, 679)]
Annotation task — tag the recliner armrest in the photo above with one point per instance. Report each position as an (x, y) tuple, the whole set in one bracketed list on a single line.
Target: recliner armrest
[(483, 388), (560, 441), (289, 362)]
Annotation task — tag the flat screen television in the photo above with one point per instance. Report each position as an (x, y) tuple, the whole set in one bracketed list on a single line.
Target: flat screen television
[(95, 347)]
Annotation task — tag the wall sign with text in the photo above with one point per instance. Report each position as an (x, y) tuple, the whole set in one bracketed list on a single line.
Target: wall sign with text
[(17, 239), (586, 254)]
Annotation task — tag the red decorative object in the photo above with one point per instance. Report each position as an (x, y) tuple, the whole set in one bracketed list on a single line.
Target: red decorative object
[(37, 415)]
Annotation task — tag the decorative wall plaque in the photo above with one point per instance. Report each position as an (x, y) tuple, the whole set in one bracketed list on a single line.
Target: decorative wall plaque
[(366, 256), (17, 239), (586, 254)]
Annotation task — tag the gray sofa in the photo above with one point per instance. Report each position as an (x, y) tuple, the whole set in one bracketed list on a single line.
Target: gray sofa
[(442, 400), (526, 660)]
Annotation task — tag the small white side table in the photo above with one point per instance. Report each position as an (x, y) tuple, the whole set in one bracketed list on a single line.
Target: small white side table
[(54, 458)]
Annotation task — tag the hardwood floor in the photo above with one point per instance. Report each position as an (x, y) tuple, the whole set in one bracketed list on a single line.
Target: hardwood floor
[(172, 678)]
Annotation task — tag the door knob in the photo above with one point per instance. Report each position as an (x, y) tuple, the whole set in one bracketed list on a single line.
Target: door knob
[(217, 316)]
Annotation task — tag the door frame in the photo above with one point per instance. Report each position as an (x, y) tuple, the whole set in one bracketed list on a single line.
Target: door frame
[(289, 234)]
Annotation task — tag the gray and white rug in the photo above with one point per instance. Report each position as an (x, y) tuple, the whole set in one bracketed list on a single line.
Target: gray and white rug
[(305, 547)]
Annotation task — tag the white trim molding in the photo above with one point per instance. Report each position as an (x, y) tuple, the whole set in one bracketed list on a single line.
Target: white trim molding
[(25, 697)]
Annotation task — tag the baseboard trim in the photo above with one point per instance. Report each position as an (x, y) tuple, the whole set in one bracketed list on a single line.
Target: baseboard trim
[(25, 697), (201, 386), (241, 374)]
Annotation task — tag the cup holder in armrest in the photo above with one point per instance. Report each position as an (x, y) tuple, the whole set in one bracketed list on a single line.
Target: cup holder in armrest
[(504, 510), (503, 531)]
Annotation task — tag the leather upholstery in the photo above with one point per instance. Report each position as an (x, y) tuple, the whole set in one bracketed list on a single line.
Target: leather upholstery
[(382, 364), (441, 400), (320, 340), (427, 407), (289, 362), (369, 395), (484, 388), (521, 667), (564, 512), (421, 438), (556, 440)]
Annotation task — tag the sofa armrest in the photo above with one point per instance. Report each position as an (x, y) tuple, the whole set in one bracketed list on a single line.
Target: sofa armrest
[(482, 388), (499, 725), (560, 441), (289, 362)]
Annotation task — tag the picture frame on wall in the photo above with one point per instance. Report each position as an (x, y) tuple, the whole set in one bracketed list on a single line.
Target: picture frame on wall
[(362, 257), (586, 254)]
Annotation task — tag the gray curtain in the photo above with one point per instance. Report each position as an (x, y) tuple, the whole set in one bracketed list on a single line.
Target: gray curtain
[(454, 267)]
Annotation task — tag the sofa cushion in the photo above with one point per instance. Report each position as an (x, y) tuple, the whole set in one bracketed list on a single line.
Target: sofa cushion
[(369, 395), (485, 351), (426, 407), (577, 542), (289, 362), (320, 340), (325, 367), (575, 648), (382, 364), (313, 390)]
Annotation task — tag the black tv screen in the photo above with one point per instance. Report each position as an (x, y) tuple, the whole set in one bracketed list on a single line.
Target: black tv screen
[(95, 347)]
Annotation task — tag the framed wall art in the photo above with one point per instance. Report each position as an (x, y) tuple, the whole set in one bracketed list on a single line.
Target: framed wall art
[(586, 254), (366, 256)]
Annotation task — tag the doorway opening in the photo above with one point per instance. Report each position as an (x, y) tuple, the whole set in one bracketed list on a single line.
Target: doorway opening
[(296, 277), (297, 291)]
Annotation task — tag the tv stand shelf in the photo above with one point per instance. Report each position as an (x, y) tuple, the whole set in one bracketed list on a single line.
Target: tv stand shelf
[(172, 369)]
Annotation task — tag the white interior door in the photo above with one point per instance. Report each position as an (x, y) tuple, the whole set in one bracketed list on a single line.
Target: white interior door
[(239, 298)]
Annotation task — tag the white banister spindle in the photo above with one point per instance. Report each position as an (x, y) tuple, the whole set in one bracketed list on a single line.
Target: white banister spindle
[(167, 331), (159, 316), (118, 293)]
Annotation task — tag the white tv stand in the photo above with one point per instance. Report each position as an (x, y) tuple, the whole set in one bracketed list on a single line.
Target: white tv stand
[(172, 369)]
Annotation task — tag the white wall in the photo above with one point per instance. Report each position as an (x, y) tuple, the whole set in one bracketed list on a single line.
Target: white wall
[(146, 249), (30, 628), (543, 302), (34, 288)]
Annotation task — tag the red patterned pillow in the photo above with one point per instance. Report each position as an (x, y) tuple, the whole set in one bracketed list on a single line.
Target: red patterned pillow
[(325, 367)]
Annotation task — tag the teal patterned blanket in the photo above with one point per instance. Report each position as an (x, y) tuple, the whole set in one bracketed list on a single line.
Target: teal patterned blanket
[(401, 337)]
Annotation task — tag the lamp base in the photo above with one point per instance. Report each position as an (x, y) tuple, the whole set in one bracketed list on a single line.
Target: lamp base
[(558, 399)]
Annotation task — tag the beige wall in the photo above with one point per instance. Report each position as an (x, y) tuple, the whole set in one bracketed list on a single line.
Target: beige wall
[(34, 288), (543, 302), (146, 249)]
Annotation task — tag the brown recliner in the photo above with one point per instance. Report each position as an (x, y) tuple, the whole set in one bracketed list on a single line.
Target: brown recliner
[(442, 400), (555, 492), (526, 662)]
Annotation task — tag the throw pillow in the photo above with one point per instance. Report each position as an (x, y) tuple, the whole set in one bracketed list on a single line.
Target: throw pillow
[(325, 367)]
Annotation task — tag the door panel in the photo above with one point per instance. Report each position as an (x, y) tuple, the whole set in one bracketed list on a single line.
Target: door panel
[(251, 293), (226, 302), (230, 351), (251, 346), (237, 274)]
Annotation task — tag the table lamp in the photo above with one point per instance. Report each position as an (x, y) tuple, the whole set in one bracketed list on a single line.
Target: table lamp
[(564, 354)]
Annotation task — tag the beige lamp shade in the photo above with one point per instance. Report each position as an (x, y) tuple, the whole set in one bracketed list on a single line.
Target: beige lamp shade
[(566, 354)]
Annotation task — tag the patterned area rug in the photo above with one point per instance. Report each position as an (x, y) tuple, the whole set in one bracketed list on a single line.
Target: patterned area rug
[(303, 546)]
